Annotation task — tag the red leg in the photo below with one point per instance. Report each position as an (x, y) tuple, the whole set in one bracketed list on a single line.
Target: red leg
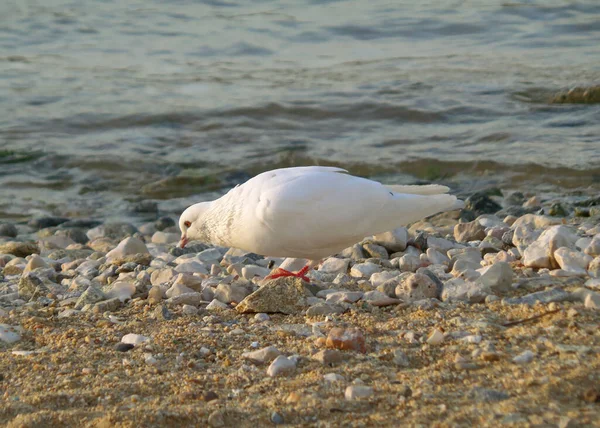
[(279, 273)]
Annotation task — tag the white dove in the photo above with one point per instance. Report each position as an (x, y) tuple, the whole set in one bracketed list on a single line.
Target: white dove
[(308, 212)]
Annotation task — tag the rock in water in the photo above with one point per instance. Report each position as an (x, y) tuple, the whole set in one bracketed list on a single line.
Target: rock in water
[(286, 295)]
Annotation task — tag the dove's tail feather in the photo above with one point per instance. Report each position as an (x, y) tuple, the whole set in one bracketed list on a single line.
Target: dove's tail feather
[(428, 189)]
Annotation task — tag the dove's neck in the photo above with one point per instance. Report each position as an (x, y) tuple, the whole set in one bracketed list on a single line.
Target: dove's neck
[(219, 223)]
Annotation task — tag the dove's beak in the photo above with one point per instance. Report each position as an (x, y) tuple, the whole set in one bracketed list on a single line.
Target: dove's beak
[(183, 242)]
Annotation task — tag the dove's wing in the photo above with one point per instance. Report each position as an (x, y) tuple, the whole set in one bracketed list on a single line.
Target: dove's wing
[(312, 212)]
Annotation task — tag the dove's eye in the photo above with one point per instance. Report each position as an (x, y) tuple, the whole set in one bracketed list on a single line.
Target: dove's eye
[(187, 223)]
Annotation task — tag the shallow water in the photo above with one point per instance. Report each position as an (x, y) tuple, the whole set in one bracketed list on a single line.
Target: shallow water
[(104, 103)]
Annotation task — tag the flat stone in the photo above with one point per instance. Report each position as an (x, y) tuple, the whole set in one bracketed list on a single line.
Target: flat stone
[(394, 240), (250, 272), (334, 265), (344, 296), (134, 339), (524, 358), (9, 334), (379, 278), (262, 356), (178, 290), (193, 298), (19, 249), (192, 282), (364, 270), (486, 395), (329, 357), (546, 296), (165, 238), (322, 309), (459, 290), (377, 298), (356, 392), (285, 295), (9, 230)]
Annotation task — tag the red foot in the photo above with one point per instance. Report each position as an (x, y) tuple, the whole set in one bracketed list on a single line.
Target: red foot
[(279, 273)]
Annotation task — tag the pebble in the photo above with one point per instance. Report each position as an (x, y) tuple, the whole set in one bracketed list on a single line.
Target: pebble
[(364, 270), (497, 278), (436, 337), (164, 238), (355, 392), (276, 418), (524, 358), (572, 261), (593, 249), (321, 309), (592, 301), (9, 334), (487, 395), (19, 249), (376, 251), (540, 253), (189, 310), (282, 366), (328, 357), (192, 266), (394, 240), (193, 298), (285, 295), (351, 339), (417, 286), (124, 347), (333, 377), (9, 230), (545, 296), (379, 278), (228, 293), (127, 247), (409, 263), (261, 317), (134, 339), (31, 287), (334, 265), (466, 232), (262, 356), (344, 296), (90, 296)]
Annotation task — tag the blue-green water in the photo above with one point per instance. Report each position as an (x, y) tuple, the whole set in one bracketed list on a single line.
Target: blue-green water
[(107, 102)]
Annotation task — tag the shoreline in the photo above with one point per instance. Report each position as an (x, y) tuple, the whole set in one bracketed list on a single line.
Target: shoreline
[(464, 318)]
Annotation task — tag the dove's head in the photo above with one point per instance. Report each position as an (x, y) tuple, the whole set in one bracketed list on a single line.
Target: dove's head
[(191, 222)]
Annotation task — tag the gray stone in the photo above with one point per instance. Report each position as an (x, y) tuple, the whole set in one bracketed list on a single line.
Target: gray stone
[(8, 229), (593, 249), (193, 299), (322, 309), (540, 254), (416, 287), (486, 395), (31, 287), (282, 366), (394, 240), (228, 293), (90, 296), (355, 392), (496, 278), (572, 261), (162, 276), (262, 356), (334, 265), (109, 305), (466, 232), (364, 270), (546, 296), (409, 263), (459, 290), (127, 247), (376, 251)]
